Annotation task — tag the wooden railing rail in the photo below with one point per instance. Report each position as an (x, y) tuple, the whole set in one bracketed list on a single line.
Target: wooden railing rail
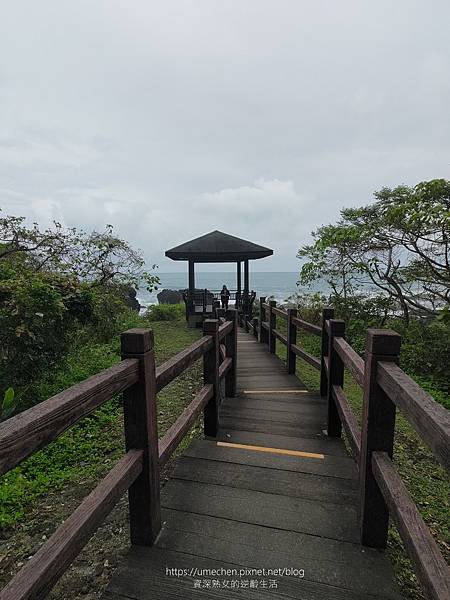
[(385, 388), (176, 365), (280, 312), (430, 419), (138, 470), (36, 427), (431, 567), (309, 327), (351, 359)]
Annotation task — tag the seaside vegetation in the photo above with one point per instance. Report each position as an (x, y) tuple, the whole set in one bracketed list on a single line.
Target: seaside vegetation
[(64, 300), (388, 265)]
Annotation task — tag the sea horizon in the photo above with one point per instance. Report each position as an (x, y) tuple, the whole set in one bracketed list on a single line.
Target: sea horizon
[(279, 285)]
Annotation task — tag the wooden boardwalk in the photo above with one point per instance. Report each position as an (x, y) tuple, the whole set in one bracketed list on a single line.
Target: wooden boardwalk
[(227, 507)]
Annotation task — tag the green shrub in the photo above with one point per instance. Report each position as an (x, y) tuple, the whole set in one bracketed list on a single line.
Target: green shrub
[(165, 312)]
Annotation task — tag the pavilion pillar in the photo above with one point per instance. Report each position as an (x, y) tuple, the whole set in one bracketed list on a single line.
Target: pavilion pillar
[(238, 277), (191, 283), (246, 288)]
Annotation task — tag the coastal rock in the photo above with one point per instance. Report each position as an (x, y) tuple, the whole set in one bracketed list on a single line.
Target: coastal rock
[(131, 300), (170, 296)]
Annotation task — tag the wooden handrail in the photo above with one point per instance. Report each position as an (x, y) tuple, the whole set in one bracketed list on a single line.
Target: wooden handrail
[(43, 569), (173, 436), (280, 336), (309, 358), (225, 367), (432, 570), (36, 427), (225, 329), (351, 359), (173, 367), (280, 312), (429, 418), (265, 306), (385, 386), (138, 470), (348, 419), (314, 329)]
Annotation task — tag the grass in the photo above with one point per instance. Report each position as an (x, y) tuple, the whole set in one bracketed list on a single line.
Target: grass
[(426, 481), (89, 449)]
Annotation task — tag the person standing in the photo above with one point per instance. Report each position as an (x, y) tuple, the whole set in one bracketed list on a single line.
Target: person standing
[(225, 297)]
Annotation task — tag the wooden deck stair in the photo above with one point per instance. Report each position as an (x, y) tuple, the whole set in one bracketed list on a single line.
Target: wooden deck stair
[(231, 507)]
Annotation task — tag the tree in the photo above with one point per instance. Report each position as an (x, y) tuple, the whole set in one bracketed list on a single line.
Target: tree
[(399, 245)]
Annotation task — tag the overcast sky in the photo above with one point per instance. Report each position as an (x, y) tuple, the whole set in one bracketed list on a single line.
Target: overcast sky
[(259, 118)]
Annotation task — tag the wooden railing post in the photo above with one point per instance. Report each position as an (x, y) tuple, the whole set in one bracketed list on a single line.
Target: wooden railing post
[(263, 337), (211, 375), (272, 326), (141, 432), (255, 326), (377, 434), (327, 313), (291, 339), (335, 377), (231, 351)]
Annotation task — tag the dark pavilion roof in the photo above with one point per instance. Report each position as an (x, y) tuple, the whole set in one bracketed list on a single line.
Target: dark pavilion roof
[(218, 247)]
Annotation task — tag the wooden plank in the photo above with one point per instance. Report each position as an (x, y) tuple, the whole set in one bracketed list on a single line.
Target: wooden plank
[(178, 430), (303, 431), (144, 577), (329, 466), (176, 365), (432, 570), (309, 327), (249, 403), (311, 419), (346, 567), (341, 560), (288, 396), (351, 359), (323, 444), (271, 510), (36, 427), (284, 483), (309, 358), (43, 569), (348, 419), (429, 418)]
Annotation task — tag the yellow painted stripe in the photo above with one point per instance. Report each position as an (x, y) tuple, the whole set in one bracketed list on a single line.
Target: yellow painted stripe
[(272, 450), (276, 392)]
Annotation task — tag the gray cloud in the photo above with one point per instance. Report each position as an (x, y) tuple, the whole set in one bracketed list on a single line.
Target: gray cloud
[(169, 119)]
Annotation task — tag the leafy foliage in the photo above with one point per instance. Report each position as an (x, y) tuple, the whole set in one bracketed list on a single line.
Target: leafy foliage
[(165, 312), (398, 246), (54, 283)]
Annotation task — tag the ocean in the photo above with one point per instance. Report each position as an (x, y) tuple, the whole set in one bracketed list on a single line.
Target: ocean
[(277, 285)]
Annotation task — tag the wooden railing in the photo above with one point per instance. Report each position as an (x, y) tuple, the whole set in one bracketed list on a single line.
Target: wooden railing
[(385, 388), (137, 377)]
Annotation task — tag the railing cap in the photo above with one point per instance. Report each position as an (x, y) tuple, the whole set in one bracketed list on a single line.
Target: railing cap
[(136, 341), (210, 326), (383, 341)]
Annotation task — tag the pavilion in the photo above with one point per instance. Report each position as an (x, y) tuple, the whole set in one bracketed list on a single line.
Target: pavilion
[(216, 247)]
